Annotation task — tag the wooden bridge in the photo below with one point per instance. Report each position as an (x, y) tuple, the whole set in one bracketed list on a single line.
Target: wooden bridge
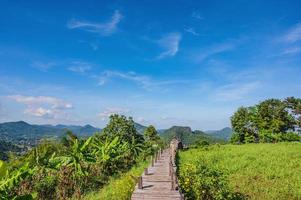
[(159, 181)]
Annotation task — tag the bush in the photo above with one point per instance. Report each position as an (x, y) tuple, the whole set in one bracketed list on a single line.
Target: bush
[(267, 137), (198, 181)]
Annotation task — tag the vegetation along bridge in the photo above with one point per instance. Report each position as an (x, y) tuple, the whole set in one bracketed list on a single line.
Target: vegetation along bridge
[(159, 181)]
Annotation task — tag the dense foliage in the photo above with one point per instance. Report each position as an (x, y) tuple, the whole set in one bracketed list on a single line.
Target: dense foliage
[(73, 167), (272, 120), (250, 171), (119, 187)]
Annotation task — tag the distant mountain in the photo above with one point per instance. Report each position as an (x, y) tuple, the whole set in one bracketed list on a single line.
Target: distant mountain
[(140, 128), (224, 133), (27, 134), (81, 131), (187, 135)]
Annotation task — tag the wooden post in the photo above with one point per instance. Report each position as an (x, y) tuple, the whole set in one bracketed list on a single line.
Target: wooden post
[(170, 168), (172, 181), (140, 184), (146, 171), (153, 162)]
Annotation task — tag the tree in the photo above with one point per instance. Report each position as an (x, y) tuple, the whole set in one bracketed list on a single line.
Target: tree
[(294, 107), (123, 128), (273, 116), (151, 134), (75, 158), (242, 124), (272, 120)]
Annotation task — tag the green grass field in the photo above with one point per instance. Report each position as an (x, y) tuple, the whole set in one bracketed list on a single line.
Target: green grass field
[(258, 171)]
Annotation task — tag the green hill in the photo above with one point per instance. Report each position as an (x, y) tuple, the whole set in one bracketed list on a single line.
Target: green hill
[(28, 134), (187, 135), (224, 133), (140, 128)]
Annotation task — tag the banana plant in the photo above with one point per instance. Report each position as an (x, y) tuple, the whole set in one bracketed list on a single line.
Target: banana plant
[(3, 169), (77, 155), (110, 152), (13, 178), (135, 147)]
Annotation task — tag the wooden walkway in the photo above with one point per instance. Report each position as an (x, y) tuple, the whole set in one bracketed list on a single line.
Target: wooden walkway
[(157, 184)]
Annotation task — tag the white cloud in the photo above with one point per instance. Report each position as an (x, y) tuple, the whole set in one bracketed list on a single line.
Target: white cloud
[(192, 31), (43, 66), (213, 50), (132, 76), (143, 81), (293, 35), (197, 15), (80, 67), (40, 100), (216, 50), (291, 51), (43, 106), (104, 29), (235, 91), (40, 112), (170, 45), (105, 114)]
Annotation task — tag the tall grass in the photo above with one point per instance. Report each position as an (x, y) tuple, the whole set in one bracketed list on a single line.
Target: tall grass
[(258, 171), (121, 186)]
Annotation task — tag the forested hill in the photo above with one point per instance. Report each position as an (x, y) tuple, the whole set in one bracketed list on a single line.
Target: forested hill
[(224, 133), (188, 136), (23, 133), (140, 128)]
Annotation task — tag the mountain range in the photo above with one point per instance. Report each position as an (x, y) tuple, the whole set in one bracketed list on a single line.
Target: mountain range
[(20, 136), (23, 133)]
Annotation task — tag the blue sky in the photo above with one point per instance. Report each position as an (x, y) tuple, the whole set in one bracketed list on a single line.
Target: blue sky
[(164, 63)]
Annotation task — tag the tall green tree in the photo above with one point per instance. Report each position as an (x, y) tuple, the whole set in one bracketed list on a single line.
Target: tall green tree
[(241, 124), (123, 128), (269, 121), (151, 134), (273, 116), (294, 107)]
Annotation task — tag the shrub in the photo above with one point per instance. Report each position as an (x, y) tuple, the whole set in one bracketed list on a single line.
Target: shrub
[(198, 181)]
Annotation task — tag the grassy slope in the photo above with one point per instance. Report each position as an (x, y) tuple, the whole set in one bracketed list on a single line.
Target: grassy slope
[(261, 171), (120, 187)]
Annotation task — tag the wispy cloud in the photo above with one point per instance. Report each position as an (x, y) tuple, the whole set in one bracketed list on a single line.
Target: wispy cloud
[(235, 91), (288, 44), (80, 67), (107, 112), (191, 31), (197, 15), (292, 35), (145, 82), (104, 29), (291, 50), (43, 106), (43, 66), (203, 54), (170, 44), (131, 76)]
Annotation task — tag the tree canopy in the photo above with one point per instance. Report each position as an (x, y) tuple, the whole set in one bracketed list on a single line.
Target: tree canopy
[(269, 121)]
